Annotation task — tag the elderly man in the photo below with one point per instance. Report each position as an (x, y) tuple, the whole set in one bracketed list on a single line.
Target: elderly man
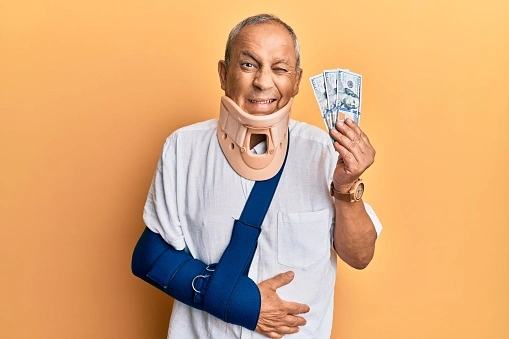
[(271, 271)]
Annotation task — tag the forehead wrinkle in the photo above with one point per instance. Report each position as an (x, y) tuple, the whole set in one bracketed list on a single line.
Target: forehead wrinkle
[(249, 55), (272, 48)]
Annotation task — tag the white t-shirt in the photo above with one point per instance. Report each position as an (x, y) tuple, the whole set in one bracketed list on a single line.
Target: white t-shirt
[(196, 195)]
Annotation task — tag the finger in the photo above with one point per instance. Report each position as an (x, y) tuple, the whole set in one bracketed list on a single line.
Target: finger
[(295, 308), (287, 329), (289, 321), (355, 146), (294, 320), (279, 332), (368, 148), (279, 280), (286, 325), (272, 334), (364, 137), (350, 156), (353, 135), (350, 123)]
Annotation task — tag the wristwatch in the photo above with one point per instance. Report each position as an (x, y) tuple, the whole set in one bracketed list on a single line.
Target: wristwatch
[(354, 194)]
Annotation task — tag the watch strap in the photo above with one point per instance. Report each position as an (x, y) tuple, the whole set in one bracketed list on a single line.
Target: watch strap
[(348, 197)]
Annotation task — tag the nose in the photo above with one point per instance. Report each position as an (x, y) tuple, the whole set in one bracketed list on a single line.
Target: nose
[(263, 79)]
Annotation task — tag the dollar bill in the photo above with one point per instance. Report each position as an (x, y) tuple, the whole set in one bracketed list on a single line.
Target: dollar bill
[(338, 94), (348, 100), (331, 87), (318, 85)]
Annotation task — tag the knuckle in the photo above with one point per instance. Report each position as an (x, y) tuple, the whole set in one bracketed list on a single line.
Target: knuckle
[(290, 329), (298, 321), (347, 156), (354, 143)]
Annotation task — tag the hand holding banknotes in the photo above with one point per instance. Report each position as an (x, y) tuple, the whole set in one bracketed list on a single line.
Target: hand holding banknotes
[(338, 93), (356, 153)]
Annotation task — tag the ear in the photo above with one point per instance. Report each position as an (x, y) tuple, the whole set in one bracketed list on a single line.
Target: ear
[(221, 70), (297, 82)]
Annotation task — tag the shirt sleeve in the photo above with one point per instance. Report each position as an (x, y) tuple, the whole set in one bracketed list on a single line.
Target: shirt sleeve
[(374, 219), (161, 210)]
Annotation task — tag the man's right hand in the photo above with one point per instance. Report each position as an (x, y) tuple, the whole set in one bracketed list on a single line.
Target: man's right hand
[(278, 317)]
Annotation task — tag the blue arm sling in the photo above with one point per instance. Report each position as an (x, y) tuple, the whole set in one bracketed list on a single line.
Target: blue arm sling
[(223, 289)]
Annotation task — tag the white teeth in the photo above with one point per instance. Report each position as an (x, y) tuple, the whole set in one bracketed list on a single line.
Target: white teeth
[(262, 102)]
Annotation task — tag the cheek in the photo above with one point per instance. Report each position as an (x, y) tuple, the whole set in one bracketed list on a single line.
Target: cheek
[(286, 86), (238, 84)]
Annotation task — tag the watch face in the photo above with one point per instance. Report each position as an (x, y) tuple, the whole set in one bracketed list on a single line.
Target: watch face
[(359, 192)]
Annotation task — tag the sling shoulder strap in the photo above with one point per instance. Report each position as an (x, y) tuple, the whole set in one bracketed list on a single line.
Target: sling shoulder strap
[(233, 267), (223, 289)]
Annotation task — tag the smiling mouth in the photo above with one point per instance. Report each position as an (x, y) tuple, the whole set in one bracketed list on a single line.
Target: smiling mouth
[(262, 102)]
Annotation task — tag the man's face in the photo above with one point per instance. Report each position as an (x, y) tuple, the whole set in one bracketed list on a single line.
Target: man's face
[(351, 102), (262, 75)]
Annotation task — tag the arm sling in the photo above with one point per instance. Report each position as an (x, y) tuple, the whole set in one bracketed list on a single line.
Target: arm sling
[(223, 289)]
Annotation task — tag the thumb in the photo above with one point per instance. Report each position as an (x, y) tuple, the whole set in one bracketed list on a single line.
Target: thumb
[(282, 279)]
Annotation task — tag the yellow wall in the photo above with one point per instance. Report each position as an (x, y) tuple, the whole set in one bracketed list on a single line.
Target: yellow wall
[(90, 89)]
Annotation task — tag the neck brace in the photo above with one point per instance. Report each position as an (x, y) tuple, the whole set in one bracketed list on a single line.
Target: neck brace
[(234, 133)]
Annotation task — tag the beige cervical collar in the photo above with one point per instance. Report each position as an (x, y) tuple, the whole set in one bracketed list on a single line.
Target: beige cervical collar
[(234, 134)]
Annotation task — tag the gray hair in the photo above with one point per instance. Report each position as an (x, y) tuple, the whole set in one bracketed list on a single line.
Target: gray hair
[(256, 20)]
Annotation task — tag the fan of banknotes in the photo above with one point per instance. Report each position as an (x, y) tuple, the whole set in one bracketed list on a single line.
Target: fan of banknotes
[(338, 93)]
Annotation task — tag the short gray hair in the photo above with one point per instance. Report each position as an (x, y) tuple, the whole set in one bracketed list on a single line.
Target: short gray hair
[(256, 20)]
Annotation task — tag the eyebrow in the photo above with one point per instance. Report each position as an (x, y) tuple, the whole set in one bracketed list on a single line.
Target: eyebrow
[(282, 61), (279, 61), (249, 55)]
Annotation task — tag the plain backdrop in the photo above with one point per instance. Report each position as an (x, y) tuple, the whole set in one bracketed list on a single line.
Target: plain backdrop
[(89, 90)]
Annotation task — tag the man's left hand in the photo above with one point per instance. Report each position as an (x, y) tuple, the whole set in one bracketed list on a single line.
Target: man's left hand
[(356, 152)]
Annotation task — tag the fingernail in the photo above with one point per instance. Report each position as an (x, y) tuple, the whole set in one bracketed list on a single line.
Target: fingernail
[(341, 123), (334, 131), (291, 274)]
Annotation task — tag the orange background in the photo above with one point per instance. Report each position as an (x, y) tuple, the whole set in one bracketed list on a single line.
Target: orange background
[(89, 90)]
